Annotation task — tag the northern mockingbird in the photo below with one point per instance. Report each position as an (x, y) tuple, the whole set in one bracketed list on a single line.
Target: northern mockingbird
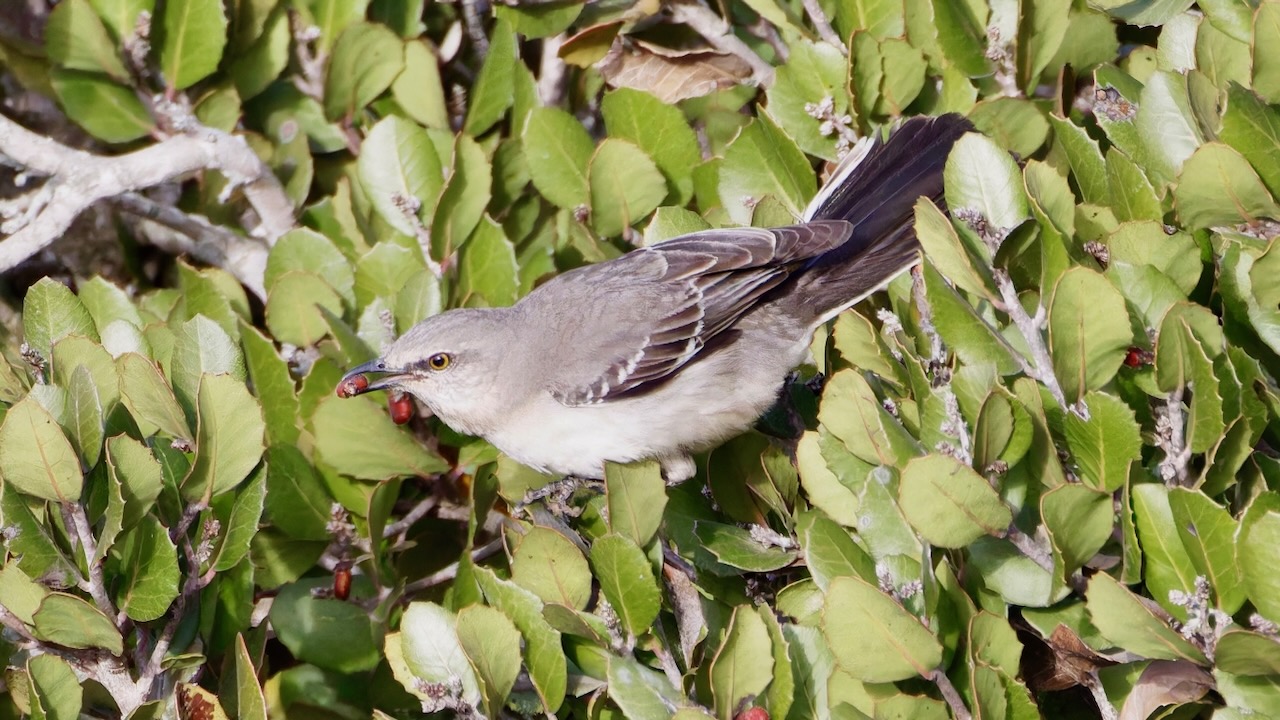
[(675, 347)]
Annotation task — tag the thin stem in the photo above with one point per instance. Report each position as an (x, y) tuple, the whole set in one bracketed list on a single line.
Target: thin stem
[(78, 522), (949, 693), (448, 573), (411, 517), (825, 31), (1041, 368), (716, 31), (1030, 548)]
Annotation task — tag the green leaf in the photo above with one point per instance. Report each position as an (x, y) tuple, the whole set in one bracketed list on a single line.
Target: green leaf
[(366, 58), (462, 203), (494, 87), (961, 29), (108, 111), (1124, 620), (293, 308), (763, 162), (193, 37), (636, 496), (86, 416), (202, 347), (306, 250), (250, 703), (559, 151), (69, 621), (1252, 128), (487, 270), (1079, 521), (38, 553), (1242, 652), (742, 667), (1218, 187), (625, 186), (1104, 445), (822, 486), (879, 18), (1258, 548), (641, 692), (272, 383), (1087, 164), (543, 654), (55, 688), (1018, 579), (948, 503), (51, 312), (904, 76), (627, 581), (146, 564), (1132, 196), (813, 71), (540, 20), (852, 413), (492, 644), (1208, 534), (830, 552), (661, 131), (550, 566), (242, 523), (1266, 61), (38, 459), (873, 637), (76, 39), (981, 177), (229, 437), (1089, 331), (19, 594), (150, 400), (736, 548), (963, 330), (297, 502), (418, 90), (332, 634), (1167, 567), (1147, 243), (432, 651), (357, 438), (968, 267), (401, 172)]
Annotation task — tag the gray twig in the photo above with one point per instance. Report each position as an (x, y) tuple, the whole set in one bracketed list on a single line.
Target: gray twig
[(949, 693), (716, 31), (1041, 367), (825, 31), (450, 572)]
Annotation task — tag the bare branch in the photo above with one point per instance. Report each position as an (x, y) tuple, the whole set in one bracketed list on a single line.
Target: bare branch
[(78, 523), (451, 571), (716, 31), (949, 693), (825, 31), (1029, 547), (1041, 367), (78, 179), (1171, 439), (551, 72)]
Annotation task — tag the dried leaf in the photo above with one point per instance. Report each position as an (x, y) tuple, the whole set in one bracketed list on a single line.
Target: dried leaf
[(671, 75)]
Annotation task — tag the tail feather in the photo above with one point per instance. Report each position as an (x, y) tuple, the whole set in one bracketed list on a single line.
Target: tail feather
[(876, 189)]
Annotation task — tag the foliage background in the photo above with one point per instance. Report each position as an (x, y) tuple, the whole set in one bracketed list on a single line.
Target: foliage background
[(1040, 479)]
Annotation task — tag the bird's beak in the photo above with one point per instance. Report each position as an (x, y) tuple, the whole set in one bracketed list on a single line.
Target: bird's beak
[(355, 383)]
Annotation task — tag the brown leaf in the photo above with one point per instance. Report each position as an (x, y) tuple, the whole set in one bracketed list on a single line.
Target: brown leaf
[(196, 703), (671, 75), (1058, 662), (1166, 682), (687, 604)]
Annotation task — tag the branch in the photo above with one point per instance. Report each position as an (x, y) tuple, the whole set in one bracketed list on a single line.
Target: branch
[(78, 524), (825, 31), (1030, 548), (716, 31), (1171, 439), (1041, 367), (949, 693), (244, 258), (78, 179), (451, 571), (551, 72)]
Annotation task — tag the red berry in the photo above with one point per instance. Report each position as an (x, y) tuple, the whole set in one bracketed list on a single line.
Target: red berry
[(755, 713), (1133, 358), (352, 386), (342, 581), (401, 407)]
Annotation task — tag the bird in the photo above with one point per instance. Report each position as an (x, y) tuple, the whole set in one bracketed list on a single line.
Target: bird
[(672, 348)]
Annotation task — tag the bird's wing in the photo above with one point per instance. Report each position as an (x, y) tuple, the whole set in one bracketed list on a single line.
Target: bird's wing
[(664, 303)]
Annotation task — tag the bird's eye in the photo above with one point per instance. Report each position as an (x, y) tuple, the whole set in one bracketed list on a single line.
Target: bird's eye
[(439, 361)]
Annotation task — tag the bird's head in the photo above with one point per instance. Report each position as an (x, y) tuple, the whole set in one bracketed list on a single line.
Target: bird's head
[(447, 361)]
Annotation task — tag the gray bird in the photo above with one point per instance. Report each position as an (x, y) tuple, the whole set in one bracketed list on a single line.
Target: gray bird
[(676, 347)]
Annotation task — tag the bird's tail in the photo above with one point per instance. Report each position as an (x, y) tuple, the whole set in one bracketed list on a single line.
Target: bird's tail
[(875, 188)]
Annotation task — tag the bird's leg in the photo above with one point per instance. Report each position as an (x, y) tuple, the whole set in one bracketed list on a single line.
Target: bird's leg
[(556, 495)]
